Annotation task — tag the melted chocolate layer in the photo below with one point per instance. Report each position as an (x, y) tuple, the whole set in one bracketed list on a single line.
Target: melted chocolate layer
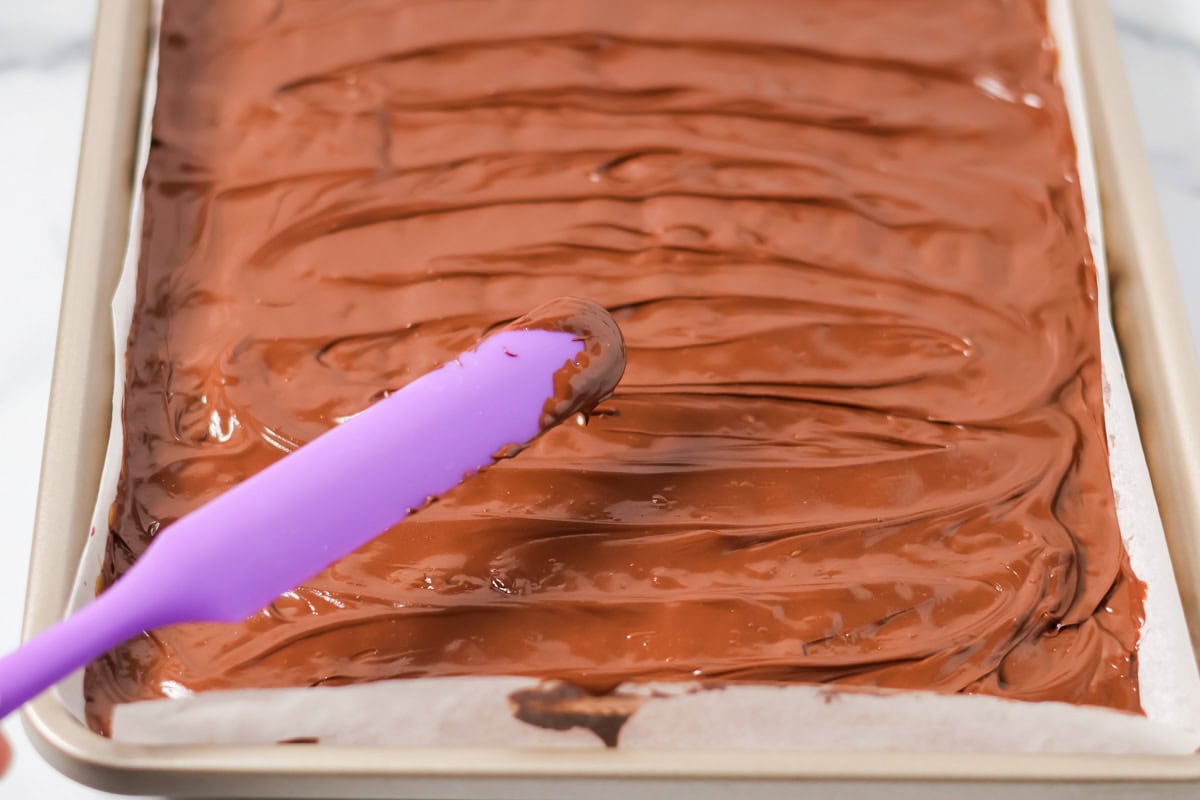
[(860, 438)]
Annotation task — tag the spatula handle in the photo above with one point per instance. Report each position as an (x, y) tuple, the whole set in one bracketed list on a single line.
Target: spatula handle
[(279, 527), (234, 555), (54, 654)]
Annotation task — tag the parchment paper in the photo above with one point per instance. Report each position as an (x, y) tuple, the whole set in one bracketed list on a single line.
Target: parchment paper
[(477, 711)]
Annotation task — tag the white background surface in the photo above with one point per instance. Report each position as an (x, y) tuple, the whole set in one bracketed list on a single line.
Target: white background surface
[(43, 79)]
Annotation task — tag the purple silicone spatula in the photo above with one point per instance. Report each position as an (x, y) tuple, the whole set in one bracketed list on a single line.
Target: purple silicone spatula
[(233, 556)]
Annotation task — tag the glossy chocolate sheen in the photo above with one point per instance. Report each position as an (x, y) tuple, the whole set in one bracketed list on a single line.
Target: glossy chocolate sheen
[(860, 438)]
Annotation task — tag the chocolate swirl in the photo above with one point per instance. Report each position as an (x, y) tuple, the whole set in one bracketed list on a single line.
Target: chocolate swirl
[(860, 436), (593, 375)]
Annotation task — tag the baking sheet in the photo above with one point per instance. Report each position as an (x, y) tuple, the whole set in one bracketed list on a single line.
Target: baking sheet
[(91, 560), (473, 711)]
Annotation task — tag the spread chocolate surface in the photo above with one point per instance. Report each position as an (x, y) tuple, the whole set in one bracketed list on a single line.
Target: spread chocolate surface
[(860, 436)]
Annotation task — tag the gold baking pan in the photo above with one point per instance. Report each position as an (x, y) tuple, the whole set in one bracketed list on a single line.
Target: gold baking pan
[(1162, 376)]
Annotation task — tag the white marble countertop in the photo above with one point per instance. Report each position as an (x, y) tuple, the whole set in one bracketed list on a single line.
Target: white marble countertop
[(43, 78)]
